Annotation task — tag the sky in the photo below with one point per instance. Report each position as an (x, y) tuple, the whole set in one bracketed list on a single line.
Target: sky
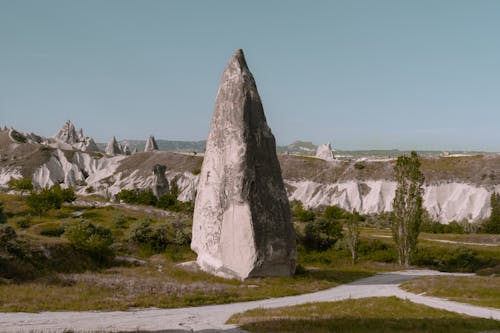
[(367, 74)]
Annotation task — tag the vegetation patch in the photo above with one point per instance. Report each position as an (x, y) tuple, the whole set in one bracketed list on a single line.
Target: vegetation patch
[(478, 290), (380, 314)]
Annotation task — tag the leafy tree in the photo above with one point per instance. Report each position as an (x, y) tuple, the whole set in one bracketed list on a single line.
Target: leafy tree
[(407, 206), (66, 195), (300, 213), (492, 226), (322, 234), (21, 184), (3, 216), (352, 235), (335, 213), (128, 196), (40, 202), (174, 188)]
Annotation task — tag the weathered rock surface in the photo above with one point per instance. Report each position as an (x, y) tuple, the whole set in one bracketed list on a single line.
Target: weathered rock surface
[(242, 225), (151, 144), (160, 183), (113, 148), (325, 152), (68, 134)]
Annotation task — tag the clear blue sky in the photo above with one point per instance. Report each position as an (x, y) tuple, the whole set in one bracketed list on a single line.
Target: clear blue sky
[(361, 74)]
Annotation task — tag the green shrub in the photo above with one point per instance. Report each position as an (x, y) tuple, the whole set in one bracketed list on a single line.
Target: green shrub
[(128, 196), (119, 221), (153, 237), (7, 234), (196, 171), (322, 234), (376, 250), (3, 216), (51, 230), (453, 259), (23, 222), (336, 213), (90, 189), (94, 240), (300, 213), (20, 184)]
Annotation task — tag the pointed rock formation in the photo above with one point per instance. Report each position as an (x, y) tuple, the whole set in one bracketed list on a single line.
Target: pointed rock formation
[(113, 148), (134, 151), (160, 183), (242, 225), (67, 134), (126, 150), (325, 152), (151, 144)]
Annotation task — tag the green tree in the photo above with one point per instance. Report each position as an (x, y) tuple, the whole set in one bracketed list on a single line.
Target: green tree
[(40, 202), (20, 184), (492, 226), (407, 206), (321, 234), (352, 235)]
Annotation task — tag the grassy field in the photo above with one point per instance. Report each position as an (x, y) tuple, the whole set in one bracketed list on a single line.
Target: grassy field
[(369, 315), (477, 290), (44, 271)]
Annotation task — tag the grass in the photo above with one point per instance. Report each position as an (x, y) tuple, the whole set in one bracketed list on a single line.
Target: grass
[(370, 315), (157, 284), (477, 290)]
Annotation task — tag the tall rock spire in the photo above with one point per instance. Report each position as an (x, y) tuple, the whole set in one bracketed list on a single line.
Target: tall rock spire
[(151, 144), (113, 148), (242, 225)]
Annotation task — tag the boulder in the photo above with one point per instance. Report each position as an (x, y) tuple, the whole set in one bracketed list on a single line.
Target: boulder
[(151, 144), (242, 225), (325, 152), (160, 183)]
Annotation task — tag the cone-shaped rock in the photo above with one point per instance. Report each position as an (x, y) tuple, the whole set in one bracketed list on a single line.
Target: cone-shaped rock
[(325, 152), (151, 144), (242, 226), (67, 134), (113, 148), (160, 183)]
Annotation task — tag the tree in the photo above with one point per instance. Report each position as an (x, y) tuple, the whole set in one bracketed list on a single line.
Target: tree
[(322, 234), (407, 206), (352, 235), (41, 202), (492, 226), (20, 184), (87, 237)]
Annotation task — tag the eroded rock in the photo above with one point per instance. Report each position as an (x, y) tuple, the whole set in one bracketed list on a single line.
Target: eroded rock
[(242, 225)]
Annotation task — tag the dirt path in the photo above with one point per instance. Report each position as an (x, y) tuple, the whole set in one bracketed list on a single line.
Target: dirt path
[(212, 318), (444, 241)]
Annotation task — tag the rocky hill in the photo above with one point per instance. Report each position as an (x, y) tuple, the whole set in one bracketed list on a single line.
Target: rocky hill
[(457, 188)]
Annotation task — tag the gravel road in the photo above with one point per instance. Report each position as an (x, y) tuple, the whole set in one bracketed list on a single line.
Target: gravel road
[(212, 318)]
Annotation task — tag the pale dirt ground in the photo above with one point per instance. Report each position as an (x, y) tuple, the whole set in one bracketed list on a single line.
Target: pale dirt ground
[(212, 318)]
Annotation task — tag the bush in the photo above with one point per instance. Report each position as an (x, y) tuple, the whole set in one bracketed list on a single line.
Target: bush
[(336, 213), (322, 234), (119, 221), (359, 166), (376, 250), (20, 184), (301, 214), (156, 238), (7, 233), (94, 240), (3, 216), (23, 222), (52, 198), (51, 230), (454, 259)]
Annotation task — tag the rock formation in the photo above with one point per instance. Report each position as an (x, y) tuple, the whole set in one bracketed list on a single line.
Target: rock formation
[(67, 134), (151, 144), (325, 152), (113, 148), (242, 225), (160, 183), (126, 150)]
